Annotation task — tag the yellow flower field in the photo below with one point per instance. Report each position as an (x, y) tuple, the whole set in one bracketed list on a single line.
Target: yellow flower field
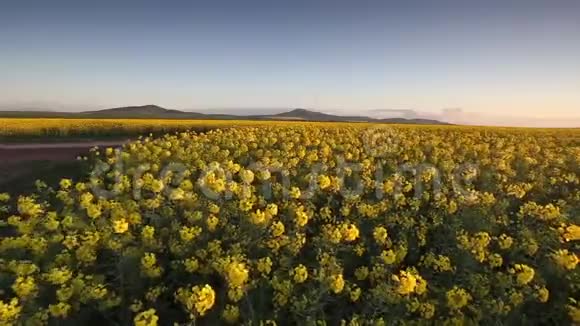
[(23, 127), (96, 127), (301, 223), (52, 127)]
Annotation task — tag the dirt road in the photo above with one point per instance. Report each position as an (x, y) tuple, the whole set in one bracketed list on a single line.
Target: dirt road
[(13, 153), (23, 163)]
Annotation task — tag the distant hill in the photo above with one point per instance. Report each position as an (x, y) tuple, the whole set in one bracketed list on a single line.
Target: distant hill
[(141, 110), (151, 111), (144, 111), (303, 114), (307, 115)]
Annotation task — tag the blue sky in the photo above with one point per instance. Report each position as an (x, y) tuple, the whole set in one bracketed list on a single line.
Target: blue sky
[(500, 62)]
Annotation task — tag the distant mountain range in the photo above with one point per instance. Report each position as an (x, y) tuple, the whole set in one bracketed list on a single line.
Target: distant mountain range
[(157, 112)]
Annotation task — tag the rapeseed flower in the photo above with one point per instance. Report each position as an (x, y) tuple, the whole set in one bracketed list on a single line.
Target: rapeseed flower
[(237, 274), (380, 235), (457, 298), (198, 300), (231, 314), (120, 226), (565, 259), (300, 274), (349, 232), (146, 318), (336, 283)]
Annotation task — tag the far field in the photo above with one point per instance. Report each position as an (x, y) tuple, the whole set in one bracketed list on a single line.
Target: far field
[(46, 148), (67, 129), (57, 129)]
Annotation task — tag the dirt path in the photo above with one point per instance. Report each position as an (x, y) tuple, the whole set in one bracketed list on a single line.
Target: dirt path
[(13, 153), (23, 163), (80, 144)]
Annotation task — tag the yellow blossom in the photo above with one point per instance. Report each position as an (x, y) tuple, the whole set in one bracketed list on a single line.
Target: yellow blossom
[(272, 209), (355, 294), (336, 283), (212, 223), (543, 295), (236, 274), (300, 274), (235, 294), (231, 314), (349, 232), (264, 265), (301, 217), (323, 181), (198, 299), (59, 276), (388, 256), (59, 310), (406, 282), (295, 193), (565, 259), (120, 226), (258, 217), (191, 264), (65, 183), (146, 318), (457, 298), (524, 273), (572, 233), (25, 287), (361, 273), (380, 235), (149, 265), (247, 176), (277, 229), (505, 241), (27, 206), (9, 312), (148, 232), (4, 197)]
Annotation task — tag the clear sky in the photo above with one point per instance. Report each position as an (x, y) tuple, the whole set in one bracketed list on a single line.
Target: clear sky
[(500, 62)]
